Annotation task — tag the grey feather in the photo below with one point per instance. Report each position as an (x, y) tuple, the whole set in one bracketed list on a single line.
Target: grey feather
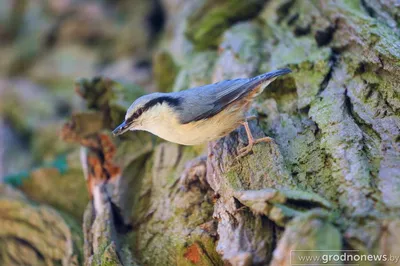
[(206, 101)]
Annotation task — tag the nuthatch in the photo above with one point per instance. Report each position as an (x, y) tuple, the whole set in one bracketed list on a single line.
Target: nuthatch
[(199, 114)]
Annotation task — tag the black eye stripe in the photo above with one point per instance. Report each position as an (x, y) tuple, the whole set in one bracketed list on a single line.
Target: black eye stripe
[(173, 102), (136, 114)]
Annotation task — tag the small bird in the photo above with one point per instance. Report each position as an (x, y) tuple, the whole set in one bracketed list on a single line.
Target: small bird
[(201, 114)]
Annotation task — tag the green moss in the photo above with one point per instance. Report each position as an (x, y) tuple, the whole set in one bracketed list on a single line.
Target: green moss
[(281, 214), (311, 232), (302, 153), (97, 257), (309, 63), (163, 237), (206, 24), (353, 5), (233, 179), (164, 71), (281, 205), (110, 257)]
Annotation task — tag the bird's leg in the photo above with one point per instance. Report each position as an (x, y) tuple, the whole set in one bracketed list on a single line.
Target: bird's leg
[(244, 151)]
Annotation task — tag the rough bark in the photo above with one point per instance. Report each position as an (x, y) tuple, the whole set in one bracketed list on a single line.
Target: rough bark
[(330, 180), (34, 234)]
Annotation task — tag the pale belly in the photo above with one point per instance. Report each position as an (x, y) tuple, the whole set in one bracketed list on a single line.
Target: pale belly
[(198, 132)]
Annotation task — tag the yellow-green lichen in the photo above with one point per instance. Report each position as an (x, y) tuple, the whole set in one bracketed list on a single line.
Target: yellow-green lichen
[(206, 24)]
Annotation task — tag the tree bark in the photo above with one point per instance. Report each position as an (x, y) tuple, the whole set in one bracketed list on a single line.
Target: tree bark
[(329, 180)]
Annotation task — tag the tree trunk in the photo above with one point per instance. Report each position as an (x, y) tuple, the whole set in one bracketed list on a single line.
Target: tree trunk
[(329, 181)]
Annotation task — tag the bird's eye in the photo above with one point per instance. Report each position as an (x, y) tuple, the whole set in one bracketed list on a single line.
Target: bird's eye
[(135, 115)]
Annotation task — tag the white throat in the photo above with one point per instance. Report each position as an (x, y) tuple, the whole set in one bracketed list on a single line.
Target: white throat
[(159, 120)]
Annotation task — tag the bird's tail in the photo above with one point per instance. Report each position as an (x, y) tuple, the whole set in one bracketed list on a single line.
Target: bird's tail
[(259, 83), (271, 75)]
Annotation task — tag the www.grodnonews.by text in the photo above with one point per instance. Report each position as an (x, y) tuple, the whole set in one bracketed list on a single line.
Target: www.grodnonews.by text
[(319, 257)]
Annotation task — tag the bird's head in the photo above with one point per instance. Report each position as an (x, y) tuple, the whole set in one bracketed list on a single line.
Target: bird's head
[(145, 111)]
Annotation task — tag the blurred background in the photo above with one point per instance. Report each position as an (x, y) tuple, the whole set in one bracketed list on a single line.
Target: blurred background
[(45, 47)]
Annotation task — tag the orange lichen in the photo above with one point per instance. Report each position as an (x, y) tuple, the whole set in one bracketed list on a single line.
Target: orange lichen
[(193, 253), (109, 150), (100, 155)]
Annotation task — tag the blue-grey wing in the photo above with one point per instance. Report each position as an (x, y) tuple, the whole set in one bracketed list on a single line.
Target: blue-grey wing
[(206, 101)]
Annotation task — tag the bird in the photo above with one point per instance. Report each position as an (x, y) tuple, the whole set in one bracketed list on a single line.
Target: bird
[(201, 114)]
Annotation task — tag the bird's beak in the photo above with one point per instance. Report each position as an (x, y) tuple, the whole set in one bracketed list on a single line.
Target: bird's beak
[(121, 129)]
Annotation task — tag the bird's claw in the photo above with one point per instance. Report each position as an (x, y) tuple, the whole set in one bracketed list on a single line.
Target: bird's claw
[(265, 139), (246, 150)]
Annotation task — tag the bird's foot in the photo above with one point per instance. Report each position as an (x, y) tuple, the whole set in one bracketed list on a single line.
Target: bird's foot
[(246, 150), (265, 139)]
